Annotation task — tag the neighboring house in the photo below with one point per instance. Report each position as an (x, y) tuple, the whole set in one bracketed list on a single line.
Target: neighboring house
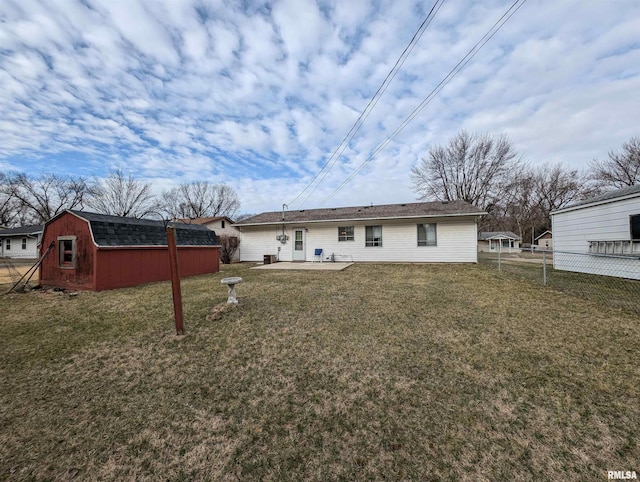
[(99, 252), (544, 241), (221, 225), (498, 241), (414, 232), (603, 225), (21, 242)]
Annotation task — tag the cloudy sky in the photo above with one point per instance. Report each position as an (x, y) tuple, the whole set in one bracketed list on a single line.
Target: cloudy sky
[(258, 95)]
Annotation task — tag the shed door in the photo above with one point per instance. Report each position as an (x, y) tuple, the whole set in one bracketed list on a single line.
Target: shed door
[(298, 245)]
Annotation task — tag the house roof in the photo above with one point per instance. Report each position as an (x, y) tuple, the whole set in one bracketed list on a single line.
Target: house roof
[(31, 230), (546, 232), (205, 220), (487, 235), (625, 193), (109, 231), (357, 213)]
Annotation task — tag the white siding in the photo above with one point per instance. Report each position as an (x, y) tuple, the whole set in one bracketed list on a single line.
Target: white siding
[(16, 251), (456, 240), (572, 231), (229, 229)]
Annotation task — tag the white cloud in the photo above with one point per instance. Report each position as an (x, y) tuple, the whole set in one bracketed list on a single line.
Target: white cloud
[(260, 95)]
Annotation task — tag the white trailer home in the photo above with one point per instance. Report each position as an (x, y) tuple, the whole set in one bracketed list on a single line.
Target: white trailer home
[(415, 232), (606, 229)]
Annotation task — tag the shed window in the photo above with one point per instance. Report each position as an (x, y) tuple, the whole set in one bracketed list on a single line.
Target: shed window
[(373, 236), (222, 224), (8, 244), (635, 226), (427, 235), (345, 233), (24, 243), (67, 251)]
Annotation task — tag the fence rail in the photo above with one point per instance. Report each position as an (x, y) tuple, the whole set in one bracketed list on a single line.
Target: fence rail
[(610, 279)]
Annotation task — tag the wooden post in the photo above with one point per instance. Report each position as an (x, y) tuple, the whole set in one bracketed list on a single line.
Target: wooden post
[(175, 279)]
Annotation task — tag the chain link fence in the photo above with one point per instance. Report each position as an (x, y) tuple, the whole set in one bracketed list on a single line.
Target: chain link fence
[(613, 280)]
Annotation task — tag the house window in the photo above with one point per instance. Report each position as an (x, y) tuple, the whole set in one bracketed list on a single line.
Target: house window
[(67, 251), (635, 226), (24, 243), (427, 235), (8, 244), (222, 223), (345, 233), (373, 236)]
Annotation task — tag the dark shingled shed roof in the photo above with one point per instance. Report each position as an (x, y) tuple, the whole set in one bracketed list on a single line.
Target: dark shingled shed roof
[(386, 211), (119, 231)]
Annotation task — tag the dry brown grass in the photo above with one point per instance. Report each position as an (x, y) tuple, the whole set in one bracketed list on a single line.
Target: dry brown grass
[(411, 372)]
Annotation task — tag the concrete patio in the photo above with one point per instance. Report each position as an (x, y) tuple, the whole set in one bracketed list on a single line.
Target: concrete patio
[(306, 266)]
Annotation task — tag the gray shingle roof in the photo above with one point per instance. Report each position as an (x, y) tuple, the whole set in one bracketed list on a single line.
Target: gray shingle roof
[(22, 230), (386, 211), (485, 235), (608, 196), (118, 231)]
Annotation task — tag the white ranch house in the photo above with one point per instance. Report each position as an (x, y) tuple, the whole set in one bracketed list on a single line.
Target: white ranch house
[(498, 241), (21, 242), (606, 228), (427, 232)]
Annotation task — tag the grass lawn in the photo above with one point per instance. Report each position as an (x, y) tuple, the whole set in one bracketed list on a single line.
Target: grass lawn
[(414, 372)]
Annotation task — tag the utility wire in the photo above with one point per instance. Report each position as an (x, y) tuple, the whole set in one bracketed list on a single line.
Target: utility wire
[(465, 60), (370, 106)]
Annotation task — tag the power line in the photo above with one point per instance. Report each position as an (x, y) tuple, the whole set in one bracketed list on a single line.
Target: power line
[(459, 66), (370, 106)]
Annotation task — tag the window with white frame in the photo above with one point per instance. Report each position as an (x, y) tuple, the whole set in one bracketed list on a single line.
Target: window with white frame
[(373, 236), (427, 234), (7, 245), (67, 251), (345, 233)]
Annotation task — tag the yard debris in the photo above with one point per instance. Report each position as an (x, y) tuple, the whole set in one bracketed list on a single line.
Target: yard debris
[(218, 311)]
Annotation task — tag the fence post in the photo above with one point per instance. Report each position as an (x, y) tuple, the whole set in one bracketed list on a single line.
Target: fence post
[(544, 268), (499, 265)]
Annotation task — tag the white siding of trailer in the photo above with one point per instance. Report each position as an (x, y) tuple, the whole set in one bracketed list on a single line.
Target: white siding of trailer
[(572, 231), (456, 242)]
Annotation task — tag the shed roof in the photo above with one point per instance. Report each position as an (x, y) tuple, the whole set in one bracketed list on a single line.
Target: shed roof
[(486, 235), (354, 213), (111, 231), (627, 192), (31, 230)]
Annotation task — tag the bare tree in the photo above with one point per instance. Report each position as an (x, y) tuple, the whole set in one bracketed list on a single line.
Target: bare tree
[(121, 195), (44, 197), (621, 169), (228, 247), (472, 168), (11, 213), (200, 199), (556, 187)]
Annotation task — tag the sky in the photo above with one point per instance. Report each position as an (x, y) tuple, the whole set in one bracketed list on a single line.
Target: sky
[(258, 95)]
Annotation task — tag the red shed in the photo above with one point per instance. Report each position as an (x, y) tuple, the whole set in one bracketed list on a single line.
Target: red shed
[(99, 252)]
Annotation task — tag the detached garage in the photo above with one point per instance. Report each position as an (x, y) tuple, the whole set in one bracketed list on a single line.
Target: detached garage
[(98, 252)]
